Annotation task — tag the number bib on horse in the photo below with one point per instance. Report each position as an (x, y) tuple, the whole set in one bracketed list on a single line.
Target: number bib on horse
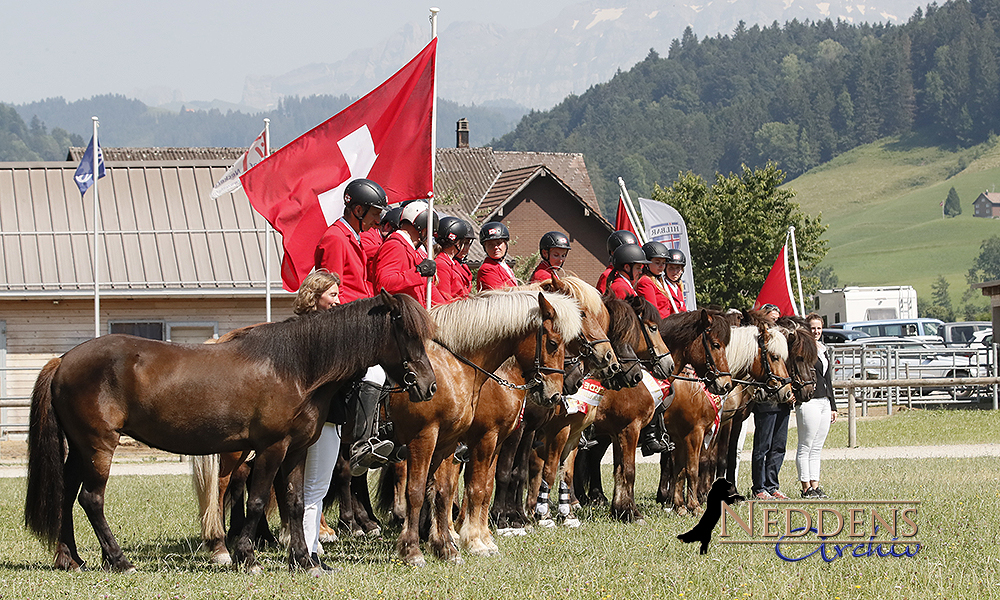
[(591, 392)]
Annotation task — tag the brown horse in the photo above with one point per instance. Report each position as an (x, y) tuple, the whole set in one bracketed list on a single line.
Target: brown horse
[(268, 391), (757, 352), (499, 409), (474, 337)]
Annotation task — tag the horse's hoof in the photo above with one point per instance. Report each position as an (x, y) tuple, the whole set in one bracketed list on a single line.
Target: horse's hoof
[(255, 570), (571, 522), (376, 532), (416, 561), (546, 523), (221, 559), (512, 531), (456, 560), (327, 537), (667, 508), (640, 521), (130, 571), (358, 533), (681, 511)]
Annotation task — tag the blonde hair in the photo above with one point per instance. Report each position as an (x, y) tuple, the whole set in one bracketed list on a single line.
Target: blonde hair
[(312, 288)]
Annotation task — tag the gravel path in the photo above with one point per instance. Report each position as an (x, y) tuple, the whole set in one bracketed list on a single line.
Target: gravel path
[(169, 464)]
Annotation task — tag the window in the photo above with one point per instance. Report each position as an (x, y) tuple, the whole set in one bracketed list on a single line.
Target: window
[(152, 330)]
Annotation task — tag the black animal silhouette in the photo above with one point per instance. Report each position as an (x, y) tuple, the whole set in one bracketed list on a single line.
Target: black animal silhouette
[(722, 490)]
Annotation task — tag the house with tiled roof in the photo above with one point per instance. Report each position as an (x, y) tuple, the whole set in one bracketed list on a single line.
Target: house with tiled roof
[(987, 205), (530, 192)]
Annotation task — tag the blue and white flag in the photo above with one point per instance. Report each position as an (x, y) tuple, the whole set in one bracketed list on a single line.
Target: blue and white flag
[(84, 176), (664, 224)]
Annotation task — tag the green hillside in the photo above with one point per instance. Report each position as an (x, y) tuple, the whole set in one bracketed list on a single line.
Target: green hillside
[(882, 203)]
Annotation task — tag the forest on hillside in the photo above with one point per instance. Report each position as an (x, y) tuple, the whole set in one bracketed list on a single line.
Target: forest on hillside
[(797, 94)]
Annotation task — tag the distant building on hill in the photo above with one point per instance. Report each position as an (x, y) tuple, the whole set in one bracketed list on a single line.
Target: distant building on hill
[(987, 205)]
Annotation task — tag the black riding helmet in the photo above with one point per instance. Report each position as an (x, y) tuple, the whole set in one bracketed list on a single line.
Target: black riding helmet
[(391, 217), (676, 257), (553, 239), (365, 192), (470, 231), (618, 238), (449, 231), (655, 250), (494, 230), (628, 254)]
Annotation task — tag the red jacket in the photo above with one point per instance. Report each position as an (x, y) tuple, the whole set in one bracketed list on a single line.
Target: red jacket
[(676, 294), (371, 241), (602, 281), (464, 274), (340, 252), (396, 269), (649, 290), (494, 276), (544, 271), (449, 282), (622, 287)]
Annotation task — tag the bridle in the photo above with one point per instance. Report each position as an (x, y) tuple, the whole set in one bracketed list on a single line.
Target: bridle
[(771, 383), (712, 372), (409, 375), (536, 372)]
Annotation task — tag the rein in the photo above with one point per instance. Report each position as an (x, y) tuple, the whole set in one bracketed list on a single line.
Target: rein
[(409, 377), (713, 372), (772, 383), (538, 369)]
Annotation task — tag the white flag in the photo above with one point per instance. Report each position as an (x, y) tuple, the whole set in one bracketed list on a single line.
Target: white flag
[(665, 225), (230, 182)]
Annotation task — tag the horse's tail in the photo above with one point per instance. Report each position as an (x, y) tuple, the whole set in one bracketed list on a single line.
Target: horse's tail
[(385, 493), (205, 476), (43, 502)]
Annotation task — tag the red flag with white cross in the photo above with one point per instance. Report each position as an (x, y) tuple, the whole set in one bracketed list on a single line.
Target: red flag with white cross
[(385, 136)]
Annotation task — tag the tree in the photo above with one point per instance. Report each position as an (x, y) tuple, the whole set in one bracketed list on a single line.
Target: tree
[(736, 228), (952, 205), (986, 267), (940, 306)]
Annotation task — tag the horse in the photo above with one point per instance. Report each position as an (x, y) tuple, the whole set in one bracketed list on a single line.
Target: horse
[(474, 337), (268, 390), (622, 414), (498, 411), (755, 351)]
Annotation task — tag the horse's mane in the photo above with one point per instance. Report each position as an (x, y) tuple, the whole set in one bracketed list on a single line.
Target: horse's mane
[(624, 323), (472, 323), (586, 294), (742, 348), (683, 327), (803, 344), (339, 341)]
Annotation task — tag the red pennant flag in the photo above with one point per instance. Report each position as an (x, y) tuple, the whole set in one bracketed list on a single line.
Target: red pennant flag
[(777, 288), (385, 137), (623, 220)]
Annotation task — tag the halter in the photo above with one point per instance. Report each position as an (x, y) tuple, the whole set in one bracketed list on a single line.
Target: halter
[(654, 356), (772, 383), (537, 370), (410, 376)]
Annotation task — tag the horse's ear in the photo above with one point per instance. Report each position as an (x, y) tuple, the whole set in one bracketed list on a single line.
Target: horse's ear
[(548, 312), (705, 321), (387, 298), (746, 320)]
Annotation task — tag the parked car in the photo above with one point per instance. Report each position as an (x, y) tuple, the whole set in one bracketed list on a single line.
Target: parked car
[(840, 336), (889, 357), (961, 333), (982, 338), (922, 329)]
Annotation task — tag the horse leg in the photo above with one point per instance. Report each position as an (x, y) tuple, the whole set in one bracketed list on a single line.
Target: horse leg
[(418, 467), (211, 475), (597, 495), (342, 483), (440, 538), (474, 532), (290, 478), (555, 442), (693, 441), (67, 557), (623, 505), (237, 488), (525, 461), (267, 464), (361, 501), (504, 467), (722, 449), (95, 480)]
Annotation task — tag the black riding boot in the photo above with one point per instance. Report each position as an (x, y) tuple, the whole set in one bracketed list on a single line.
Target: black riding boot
[(367, 451), (653, 437)]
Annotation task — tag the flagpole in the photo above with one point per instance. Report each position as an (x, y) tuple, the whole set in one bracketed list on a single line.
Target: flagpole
[(97, 219), (430, 200), (631, 212), (798, 276), (267, 233)]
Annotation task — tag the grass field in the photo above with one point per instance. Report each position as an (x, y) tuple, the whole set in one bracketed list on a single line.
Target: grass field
[(882, 205), (917, 428), (154, 518)]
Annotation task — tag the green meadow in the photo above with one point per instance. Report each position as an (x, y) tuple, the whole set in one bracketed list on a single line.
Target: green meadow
[(882, 203)]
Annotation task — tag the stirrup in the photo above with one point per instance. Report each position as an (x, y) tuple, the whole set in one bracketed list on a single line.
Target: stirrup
[(585, 444), (462, 454), (369, 453)]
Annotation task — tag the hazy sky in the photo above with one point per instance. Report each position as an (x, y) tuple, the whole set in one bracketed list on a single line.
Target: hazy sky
[(205, 48)]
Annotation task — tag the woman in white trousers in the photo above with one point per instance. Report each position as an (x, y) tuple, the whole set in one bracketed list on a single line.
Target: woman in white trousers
[(814, 416)]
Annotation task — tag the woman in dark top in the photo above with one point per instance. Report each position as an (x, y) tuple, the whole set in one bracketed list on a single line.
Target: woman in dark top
[(814, 416)]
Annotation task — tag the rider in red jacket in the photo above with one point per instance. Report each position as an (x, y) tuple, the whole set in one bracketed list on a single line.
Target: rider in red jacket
[(399, 268), (627, 261), (462, 270), (616, 239), (450, 235), (553, 248), (495, 273)]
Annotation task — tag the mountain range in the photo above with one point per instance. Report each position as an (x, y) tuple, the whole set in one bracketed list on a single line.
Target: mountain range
[(539, 65)]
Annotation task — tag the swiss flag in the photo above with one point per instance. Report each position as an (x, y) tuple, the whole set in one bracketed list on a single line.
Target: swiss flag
[(623, 221), (385, 137), (777, 288)]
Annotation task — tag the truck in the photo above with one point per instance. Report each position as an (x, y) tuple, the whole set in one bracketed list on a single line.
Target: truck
[(856, 303)]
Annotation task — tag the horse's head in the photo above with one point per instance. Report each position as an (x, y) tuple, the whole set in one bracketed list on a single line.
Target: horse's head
[(658, 360), (802, 356), (699, 338), (769, 366), (594, 346), (407, 362), (625, 335), (541, 355), (576, 372)]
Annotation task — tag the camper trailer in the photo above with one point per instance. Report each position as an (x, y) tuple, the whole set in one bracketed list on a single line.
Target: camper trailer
[(866, 303)]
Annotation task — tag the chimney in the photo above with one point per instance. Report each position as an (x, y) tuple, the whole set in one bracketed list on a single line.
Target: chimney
[(462, 133)]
